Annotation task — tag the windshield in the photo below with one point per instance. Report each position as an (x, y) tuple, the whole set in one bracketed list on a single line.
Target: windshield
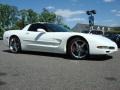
[(56, 28)]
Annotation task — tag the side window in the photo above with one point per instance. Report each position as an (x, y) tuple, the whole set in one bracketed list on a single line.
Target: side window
[(34, 27)]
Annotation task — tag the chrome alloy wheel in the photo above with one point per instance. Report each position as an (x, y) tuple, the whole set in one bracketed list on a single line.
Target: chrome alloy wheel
[(79, 49), (14, 45)]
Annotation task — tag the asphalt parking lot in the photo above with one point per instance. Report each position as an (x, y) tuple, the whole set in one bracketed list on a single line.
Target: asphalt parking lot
[(46, 71)]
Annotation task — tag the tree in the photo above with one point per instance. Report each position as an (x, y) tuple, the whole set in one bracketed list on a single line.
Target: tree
[(1, 31), (59, 20), (23, 18), (8, 16), (27, 17), (20, 24), (32, 16), (12, 18), (47, 16)]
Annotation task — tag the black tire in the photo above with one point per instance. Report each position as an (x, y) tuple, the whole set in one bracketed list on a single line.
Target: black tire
[(118, 41), (78, 48), (14, 45)]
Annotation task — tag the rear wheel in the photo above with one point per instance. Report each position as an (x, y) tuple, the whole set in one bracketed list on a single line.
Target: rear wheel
[(14, 45), (78, 48)]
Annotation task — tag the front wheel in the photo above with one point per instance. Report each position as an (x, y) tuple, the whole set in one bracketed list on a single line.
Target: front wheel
[(14, 45), (78, 48)]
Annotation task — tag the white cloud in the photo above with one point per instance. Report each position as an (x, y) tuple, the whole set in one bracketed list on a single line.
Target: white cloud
[(75, 19), (68, 13), (116, 12), (109, 1), (50, 7)]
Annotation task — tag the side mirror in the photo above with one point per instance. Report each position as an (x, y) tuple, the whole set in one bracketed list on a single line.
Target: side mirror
[(40, 30)]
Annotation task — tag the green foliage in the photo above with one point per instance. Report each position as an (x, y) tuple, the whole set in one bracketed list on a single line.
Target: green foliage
[(26, 17), (12, 18), (115, 31), (47, 16), (20, 24), (32, 16), (8, 15), (23, 18), (1, 31)]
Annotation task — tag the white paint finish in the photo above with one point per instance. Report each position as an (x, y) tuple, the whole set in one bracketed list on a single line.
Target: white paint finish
[(56, 41)]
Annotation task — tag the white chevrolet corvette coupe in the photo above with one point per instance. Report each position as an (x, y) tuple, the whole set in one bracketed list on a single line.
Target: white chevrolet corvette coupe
[(46, 37)]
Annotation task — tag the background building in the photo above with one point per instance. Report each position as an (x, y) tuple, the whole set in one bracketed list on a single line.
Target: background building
[(85, 27)]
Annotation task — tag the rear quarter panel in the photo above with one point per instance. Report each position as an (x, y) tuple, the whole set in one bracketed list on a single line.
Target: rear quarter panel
[(8, 34)]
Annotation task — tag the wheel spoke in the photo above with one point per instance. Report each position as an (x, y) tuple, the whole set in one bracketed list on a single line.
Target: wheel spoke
[(79, 54), (77, 45), (15, 46), (83, 44)]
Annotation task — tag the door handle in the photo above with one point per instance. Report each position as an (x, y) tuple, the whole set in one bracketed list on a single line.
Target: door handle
[(27, 33)]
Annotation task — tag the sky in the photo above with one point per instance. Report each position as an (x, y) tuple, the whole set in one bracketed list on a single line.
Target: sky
[(74, 11)]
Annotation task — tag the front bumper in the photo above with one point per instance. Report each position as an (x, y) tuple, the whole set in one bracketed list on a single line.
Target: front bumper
[(103, 50)]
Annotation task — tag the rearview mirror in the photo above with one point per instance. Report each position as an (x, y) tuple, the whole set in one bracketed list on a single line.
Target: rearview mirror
[(40, 30)]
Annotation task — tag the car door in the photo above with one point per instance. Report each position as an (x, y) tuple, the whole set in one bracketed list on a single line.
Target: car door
[(39, 40)]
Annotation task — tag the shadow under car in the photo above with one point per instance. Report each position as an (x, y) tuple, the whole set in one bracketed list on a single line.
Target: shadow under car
[(89, 58)]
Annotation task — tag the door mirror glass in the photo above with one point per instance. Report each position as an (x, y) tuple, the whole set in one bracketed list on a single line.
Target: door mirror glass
[(40, 30)]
